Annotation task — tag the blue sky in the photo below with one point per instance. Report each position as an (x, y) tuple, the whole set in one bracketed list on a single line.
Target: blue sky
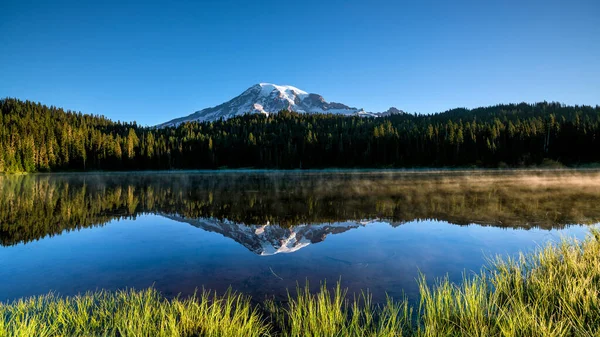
[(152, 61)]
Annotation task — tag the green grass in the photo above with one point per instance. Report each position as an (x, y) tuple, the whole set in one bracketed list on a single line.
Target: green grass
[(132, 313), (331, 313), (552, 292)]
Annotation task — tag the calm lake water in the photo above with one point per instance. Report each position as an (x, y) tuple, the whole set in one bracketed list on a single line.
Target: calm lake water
[(263, 232)]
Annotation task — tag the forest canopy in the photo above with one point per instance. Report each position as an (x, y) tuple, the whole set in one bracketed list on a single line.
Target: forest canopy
[(40, 138)]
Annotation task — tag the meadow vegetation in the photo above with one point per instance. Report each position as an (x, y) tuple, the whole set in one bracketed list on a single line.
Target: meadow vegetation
[(554, 291)]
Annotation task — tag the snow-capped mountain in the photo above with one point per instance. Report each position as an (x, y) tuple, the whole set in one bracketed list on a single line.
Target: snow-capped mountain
[(267, 98), (270, 239)]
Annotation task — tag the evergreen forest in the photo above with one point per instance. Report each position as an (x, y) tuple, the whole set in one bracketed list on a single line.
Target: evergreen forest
[(40, 138)]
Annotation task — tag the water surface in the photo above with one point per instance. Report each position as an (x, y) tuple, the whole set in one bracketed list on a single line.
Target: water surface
[(262, 232)]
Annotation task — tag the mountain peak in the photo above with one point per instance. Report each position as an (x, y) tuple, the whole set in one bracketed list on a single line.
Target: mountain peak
[(286, 92), (267, 98), (269, 87)]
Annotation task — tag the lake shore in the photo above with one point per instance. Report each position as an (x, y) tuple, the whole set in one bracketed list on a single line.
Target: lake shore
[(551, 292), (562, 168)]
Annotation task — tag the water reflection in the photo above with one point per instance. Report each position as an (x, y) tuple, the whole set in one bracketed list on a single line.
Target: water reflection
[(34, 206), (178, 231), (271, 239)]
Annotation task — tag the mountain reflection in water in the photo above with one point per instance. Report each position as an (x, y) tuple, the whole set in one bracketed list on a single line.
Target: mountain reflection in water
[(270, 240), (273, 211)]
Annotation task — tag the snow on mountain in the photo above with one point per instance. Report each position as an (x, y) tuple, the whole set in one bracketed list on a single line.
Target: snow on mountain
[(271, 239), (267, 98)]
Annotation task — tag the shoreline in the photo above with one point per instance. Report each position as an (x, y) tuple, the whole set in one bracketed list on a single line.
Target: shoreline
[(552, 291), (316, 170)]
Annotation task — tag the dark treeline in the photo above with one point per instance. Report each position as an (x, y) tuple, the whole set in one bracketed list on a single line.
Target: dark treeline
[(34, 206), (38, 138)]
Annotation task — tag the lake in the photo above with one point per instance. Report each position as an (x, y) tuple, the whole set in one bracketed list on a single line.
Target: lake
[(264, 232)]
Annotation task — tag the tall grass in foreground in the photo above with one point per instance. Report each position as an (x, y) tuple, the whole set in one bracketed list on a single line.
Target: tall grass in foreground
[(131, 313), (330, 313), (552, 292)]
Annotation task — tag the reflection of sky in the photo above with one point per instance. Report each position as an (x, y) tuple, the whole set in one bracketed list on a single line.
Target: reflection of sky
[(177, 258)]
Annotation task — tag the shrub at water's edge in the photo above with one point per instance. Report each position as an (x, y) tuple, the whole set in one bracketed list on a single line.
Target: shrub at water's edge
[(552, 292)]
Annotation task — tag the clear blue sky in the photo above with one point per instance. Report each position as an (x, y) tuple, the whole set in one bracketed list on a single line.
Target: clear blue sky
[(153, 61)]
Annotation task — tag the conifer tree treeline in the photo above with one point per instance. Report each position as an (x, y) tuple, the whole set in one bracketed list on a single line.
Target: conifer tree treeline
[(38, 138)]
